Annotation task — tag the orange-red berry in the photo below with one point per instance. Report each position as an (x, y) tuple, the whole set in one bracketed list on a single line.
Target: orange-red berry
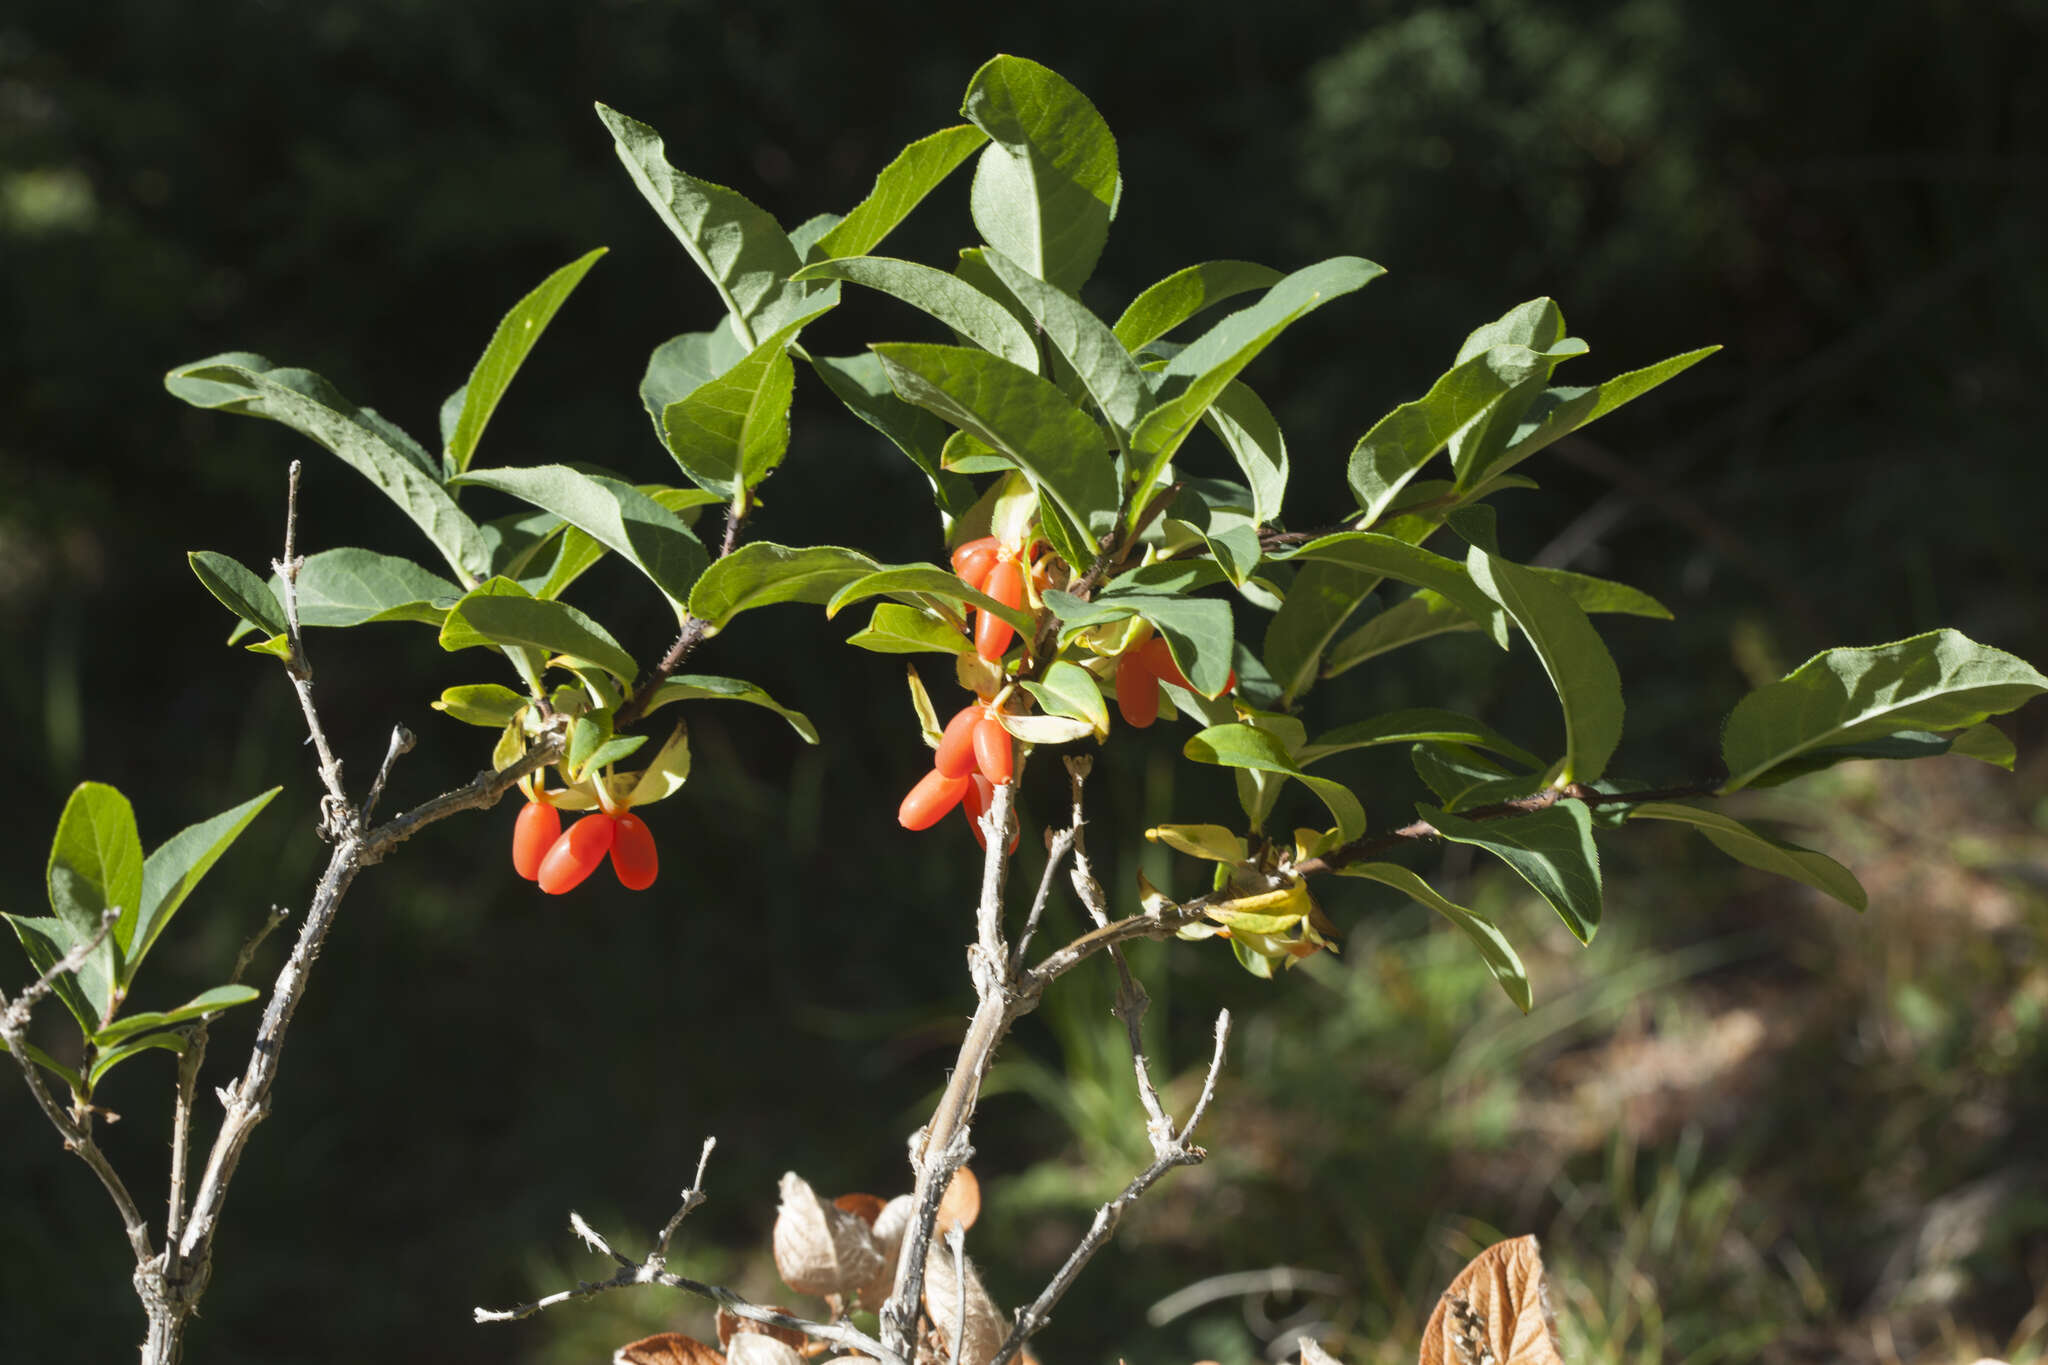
[(1159, 658), (975, 804), (982, 551), (576, 854), (992, 634), (955, 757), (993, 752), (538, 827), (1137, 689), (632, 852), (928, 802)]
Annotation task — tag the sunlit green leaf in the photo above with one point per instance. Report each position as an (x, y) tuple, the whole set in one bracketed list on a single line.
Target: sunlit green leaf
[(1319, 601), (1046, 187), (1581, 670), (734, 428), (499, 612), (1412, 727), (514, 338), (1463, 778), (46, 939), (910, 582), (1499, 955), (1198, 630), (1551, 849), (616, 515), (1942, 680), (71, 1079), (239, 590), (1245, 425), (899, 629), (488, 704), (1760, 851), (96, 865), (206, 1002), (917, 170), (762, 574), (113, 1057), (1071, 690), (1104, 368), (739, 247), (948, 298), (1247, 746), (1559, 412), (1055, 444), (172, 870), (706, 687), (1167, 304), (248, 384), (860, 382)]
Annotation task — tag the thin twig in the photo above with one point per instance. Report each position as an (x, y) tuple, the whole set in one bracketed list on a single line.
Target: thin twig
[(695, 630), (299, 667), (654, 1270), (401, 743), (1055, 852), (1177, 1151), (956, 1242)]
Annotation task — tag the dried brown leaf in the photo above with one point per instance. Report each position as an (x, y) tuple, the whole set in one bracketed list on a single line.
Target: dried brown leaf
[(758, 1348), (666, 1348), (866, 1207), (890, 1225), (1496, 1312), (960, 1204), (984, 1328), (731, 1324), (820, 1249)]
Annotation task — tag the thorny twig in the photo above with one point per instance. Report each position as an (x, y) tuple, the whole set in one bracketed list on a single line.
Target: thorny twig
[(1174, 1150), (300, 668), (654, 1270)]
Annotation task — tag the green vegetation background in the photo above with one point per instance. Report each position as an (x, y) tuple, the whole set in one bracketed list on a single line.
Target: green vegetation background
[(1848, 196)]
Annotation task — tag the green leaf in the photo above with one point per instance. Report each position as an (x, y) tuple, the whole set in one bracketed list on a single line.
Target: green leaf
[(172, 870), (860, 382), (948, 298), (1414, 618), (499, 612), (1942, 680), (739, 247), (899, 629), (1524, 346), (1406, 439), (1245, 425), (664, 777), (734, 429), (1746, 845), (510, 343), (1193, 379), (616, 515), (917, 170), (1099, 361), (1047, 185), (1987, 744), (96, 865), (1462, 778), (1581, 670), (351, 587), (248, 384), (1550, 849), (1055, 444), (1499, 955), (1247, 746), (911, 582), (50, 1064), (1184, 293), (682, 365), (1386, 557), (1198, 630), (46, 939), (206, 1002), (488, 704), (1559, 412), (1319, 601), (762, 574), (1071, 690), (107, 1061), (1414, 727), (239, 590), (706, 687)]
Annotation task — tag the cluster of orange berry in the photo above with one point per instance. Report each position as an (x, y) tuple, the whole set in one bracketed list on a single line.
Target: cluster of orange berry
[(975, 756), (560, 860)]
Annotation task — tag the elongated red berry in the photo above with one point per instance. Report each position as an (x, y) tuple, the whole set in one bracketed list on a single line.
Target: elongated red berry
[(975, 804), (993, 752), (992, 634), (972, 560), (577, 853), (955, 757), (535, 833), (1159, 659), (1137, 689), (633, 856), (928, 802)]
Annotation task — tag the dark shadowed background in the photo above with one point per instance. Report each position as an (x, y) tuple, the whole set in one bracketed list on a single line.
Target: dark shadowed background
[(1743, 1105)]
